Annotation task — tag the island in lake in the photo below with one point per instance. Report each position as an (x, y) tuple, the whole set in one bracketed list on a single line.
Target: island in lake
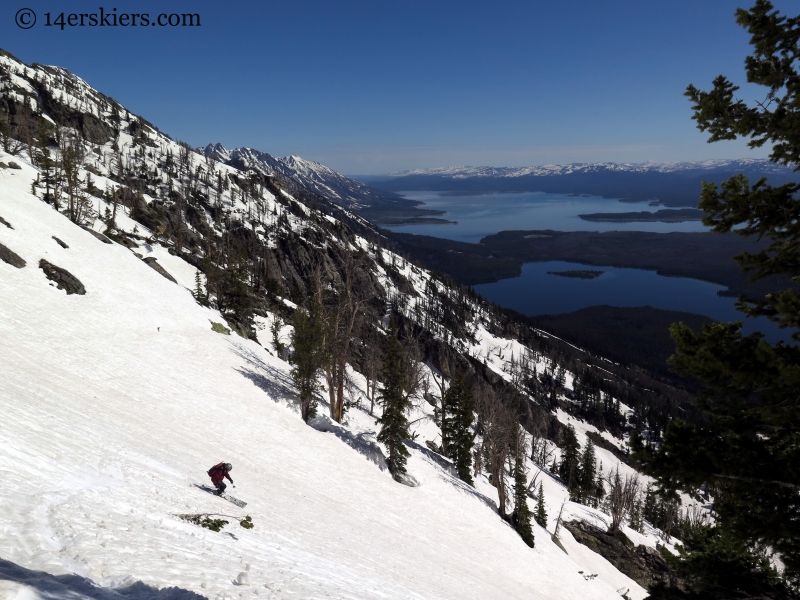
[(663, 215), (578, 274)]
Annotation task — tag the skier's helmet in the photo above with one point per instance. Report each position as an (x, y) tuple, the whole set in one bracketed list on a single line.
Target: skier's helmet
[(228, 466)]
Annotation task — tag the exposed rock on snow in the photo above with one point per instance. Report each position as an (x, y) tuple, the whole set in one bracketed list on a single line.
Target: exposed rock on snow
[(152, 262), (11, 257), (643, 564), (98, 235), (6, 223), (60, 243), (63, 279)]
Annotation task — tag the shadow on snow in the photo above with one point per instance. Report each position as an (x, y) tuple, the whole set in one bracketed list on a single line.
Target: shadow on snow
[(75, 587)]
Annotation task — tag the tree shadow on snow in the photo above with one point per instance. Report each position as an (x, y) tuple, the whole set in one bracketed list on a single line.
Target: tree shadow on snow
[(360, 442), (67, 587), (274, 382), (449, 472)]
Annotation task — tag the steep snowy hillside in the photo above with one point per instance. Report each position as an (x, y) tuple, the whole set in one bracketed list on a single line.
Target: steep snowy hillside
[(116, 402), (148, 296)]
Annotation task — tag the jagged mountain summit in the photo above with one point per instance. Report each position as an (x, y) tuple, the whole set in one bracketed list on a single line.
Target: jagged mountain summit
[(347, 193)]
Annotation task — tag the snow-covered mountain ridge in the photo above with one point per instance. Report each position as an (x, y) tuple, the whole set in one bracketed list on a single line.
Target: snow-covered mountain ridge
[(119, 399), (346, 192), (743, 164)]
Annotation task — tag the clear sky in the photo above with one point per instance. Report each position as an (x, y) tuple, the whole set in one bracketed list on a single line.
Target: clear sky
[(380, 86)]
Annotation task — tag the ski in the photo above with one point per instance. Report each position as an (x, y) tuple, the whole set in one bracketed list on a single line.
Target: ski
[(228, 497)]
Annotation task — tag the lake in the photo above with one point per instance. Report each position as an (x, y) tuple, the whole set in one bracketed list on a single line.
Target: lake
[(483, 214), (536, 292)]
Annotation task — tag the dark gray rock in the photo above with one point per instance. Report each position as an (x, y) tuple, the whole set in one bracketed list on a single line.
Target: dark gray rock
[(60, 243), (153, 264), (6, 223), (99, 236), (13, 165), (12, 258), (63, 279), (641, 563)]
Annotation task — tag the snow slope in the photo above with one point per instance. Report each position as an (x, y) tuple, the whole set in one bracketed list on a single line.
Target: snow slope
[(115, 403)]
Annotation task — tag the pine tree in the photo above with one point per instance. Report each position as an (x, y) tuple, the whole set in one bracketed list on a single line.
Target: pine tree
[(306, 357), (522, 513), (199, 294), (541, 512), (586, 475), (570, 457), (459, 415), (745, 450), (394, 422)]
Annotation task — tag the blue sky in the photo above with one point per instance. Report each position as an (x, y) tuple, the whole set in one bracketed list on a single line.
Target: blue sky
[(378, 86)]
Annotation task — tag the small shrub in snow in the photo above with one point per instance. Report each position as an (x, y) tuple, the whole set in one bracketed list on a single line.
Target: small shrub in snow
[(205, 521), (220, 328)]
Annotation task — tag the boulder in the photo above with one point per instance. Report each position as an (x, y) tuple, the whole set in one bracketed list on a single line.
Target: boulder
[(99, 236), (63, 279), (152, 262), (12, 258), (641, 563)]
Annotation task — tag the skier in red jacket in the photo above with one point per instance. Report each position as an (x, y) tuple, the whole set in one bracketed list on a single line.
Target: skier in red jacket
[(218, 473)]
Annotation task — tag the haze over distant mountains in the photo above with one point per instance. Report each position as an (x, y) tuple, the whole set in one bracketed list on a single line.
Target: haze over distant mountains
[(673, 184)]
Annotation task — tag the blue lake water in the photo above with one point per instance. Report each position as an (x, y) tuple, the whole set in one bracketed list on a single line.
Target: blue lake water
[(480, 215), (536, 292)]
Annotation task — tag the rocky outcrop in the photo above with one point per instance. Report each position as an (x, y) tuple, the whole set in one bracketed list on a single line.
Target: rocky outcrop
[(63, 279), (12, 258), (153, 264), (643, 564), (99, 236)]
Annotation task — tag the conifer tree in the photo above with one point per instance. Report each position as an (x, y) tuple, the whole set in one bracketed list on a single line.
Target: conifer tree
[(394, 423), (459, 415), (586, 475), (306, 358), (746, 449), (541, 512), (199, 294), (570, 457), (522, 513)]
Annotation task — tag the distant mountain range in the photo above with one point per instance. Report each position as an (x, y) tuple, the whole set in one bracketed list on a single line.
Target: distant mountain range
[(673, 184), (744, 164)]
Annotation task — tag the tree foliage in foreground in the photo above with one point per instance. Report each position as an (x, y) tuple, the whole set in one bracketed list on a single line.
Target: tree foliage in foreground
[(747, 453)]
